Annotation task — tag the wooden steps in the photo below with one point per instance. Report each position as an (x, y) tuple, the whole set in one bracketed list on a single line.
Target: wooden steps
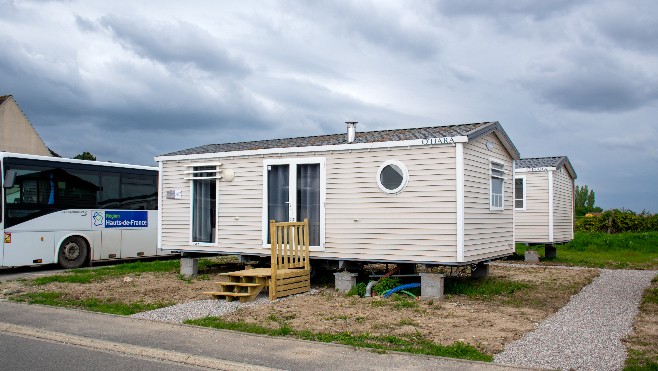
[(244, 285), (289, 271)]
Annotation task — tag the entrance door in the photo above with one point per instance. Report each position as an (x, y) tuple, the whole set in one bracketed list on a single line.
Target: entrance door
[(295, 190)]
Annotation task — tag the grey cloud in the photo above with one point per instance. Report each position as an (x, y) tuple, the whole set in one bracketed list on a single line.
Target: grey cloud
[(630, 25), (589, 82), (179, 43), (412, 35), (538, 10), (45, 81), (86, 25)]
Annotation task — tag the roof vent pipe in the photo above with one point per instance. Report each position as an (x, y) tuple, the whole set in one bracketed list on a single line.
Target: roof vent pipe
[(351, 131)]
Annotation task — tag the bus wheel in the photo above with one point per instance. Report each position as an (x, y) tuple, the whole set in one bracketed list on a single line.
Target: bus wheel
[(73, 252)]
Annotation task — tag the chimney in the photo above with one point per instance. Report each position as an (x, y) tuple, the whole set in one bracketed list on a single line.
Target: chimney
[(351, 131)]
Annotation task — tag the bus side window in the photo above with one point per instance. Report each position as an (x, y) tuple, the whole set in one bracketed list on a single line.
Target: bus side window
[(111, 188), (138, 192)]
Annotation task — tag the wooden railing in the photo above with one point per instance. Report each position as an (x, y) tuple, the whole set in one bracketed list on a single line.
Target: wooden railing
[(290, 264)]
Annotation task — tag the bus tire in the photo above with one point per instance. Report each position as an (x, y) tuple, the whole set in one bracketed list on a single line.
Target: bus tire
[(73, 252)]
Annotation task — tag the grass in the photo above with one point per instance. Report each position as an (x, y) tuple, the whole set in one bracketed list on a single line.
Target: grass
[(412, 344), (642, 344), (638, 361), (482, 287), (601, 250), (83, 276), (59, 299)]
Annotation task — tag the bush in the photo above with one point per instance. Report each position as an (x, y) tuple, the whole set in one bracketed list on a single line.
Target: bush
[(618, 221), (386, 284), (359, 289)]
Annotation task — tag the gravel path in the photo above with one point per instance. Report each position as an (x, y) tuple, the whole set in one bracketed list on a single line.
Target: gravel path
[(585, 334), (203, 308), (196, 309)]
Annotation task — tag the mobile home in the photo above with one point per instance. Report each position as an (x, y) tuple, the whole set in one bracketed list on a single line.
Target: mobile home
[(432, 195), (544, 201)]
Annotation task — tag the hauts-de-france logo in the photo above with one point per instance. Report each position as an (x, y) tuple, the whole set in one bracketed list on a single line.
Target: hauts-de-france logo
[(98, 219)]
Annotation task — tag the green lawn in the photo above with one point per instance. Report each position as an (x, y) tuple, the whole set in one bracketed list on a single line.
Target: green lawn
[(601, 250)]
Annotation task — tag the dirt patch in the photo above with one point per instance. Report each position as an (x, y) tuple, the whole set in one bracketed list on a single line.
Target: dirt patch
[(487, 323), (144, 287)]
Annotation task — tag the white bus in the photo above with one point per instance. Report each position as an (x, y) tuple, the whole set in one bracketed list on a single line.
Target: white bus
[(74, 212)]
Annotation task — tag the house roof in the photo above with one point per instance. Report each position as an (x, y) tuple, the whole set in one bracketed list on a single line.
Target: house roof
[(5, 98), (471, 131), (555, 161)]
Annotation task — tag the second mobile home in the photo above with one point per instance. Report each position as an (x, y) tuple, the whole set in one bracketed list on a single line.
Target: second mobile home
[(432, 195), (544, 201)]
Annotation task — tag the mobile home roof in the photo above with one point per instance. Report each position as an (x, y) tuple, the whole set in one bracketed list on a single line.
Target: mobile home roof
[(538, 162), (469, 131)]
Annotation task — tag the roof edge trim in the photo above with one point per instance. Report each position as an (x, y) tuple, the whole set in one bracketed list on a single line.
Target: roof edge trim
[(338, 147), (497, 129)]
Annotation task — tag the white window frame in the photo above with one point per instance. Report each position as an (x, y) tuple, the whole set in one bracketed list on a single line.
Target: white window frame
[(523, 178), (491, 176), (405, 177), (292, 195), (191, 175)]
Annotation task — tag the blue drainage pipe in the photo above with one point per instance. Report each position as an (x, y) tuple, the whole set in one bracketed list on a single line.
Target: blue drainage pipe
[(400, 288)]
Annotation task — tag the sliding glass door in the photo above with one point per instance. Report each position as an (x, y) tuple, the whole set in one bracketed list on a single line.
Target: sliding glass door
[(295, 191), (278, 193), (308, 199)]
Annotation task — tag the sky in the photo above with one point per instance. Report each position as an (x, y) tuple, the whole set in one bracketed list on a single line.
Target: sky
[(130, 80)]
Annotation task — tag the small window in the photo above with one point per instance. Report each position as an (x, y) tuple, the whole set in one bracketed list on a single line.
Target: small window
[(497, 186), (519, 193), (392, 177)]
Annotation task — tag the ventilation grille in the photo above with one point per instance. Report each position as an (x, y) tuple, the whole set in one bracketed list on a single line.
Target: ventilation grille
[(202, 171)]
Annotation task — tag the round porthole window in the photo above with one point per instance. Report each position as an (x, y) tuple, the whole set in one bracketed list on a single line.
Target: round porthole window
[(392, 177)]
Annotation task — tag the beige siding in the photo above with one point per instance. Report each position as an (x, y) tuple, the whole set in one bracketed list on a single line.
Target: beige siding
[(487, 233), (175, 214), (362, 222), (531, 224), (562, 206), (17, 134)]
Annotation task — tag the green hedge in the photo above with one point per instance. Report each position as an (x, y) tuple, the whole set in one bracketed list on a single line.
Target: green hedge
[(617, 221)]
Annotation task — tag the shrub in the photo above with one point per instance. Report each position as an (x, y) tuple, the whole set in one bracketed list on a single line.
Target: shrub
[(359, 289), (386, 284), (618, 221)]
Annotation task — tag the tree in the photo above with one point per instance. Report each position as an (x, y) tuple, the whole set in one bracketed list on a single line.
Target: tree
[(584, 201), (85, 156)]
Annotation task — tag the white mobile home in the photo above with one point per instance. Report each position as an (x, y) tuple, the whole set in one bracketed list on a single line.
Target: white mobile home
[(544, 200), (433, 195)]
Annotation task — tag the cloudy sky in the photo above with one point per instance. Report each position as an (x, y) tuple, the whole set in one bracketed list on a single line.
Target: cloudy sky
[(131, 80)]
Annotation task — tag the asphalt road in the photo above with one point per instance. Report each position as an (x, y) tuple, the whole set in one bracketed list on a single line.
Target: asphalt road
[(27, 353)]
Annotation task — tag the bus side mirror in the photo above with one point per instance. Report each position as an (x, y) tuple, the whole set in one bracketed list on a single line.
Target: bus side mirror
[(10, 178)]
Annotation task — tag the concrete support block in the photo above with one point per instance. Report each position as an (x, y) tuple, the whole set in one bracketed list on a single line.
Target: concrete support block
[(431, 285), (550, 252), (189, 267), (531, 256), (344, 281), (481, 270)]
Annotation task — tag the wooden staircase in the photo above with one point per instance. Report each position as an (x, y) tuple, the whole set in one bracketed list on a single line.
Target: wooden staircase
[(289, 272), (244, 285)]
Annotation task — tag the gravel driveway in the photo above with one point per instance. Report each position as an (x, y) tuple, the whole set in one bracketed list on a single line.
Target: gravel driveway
[(587, 333)]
